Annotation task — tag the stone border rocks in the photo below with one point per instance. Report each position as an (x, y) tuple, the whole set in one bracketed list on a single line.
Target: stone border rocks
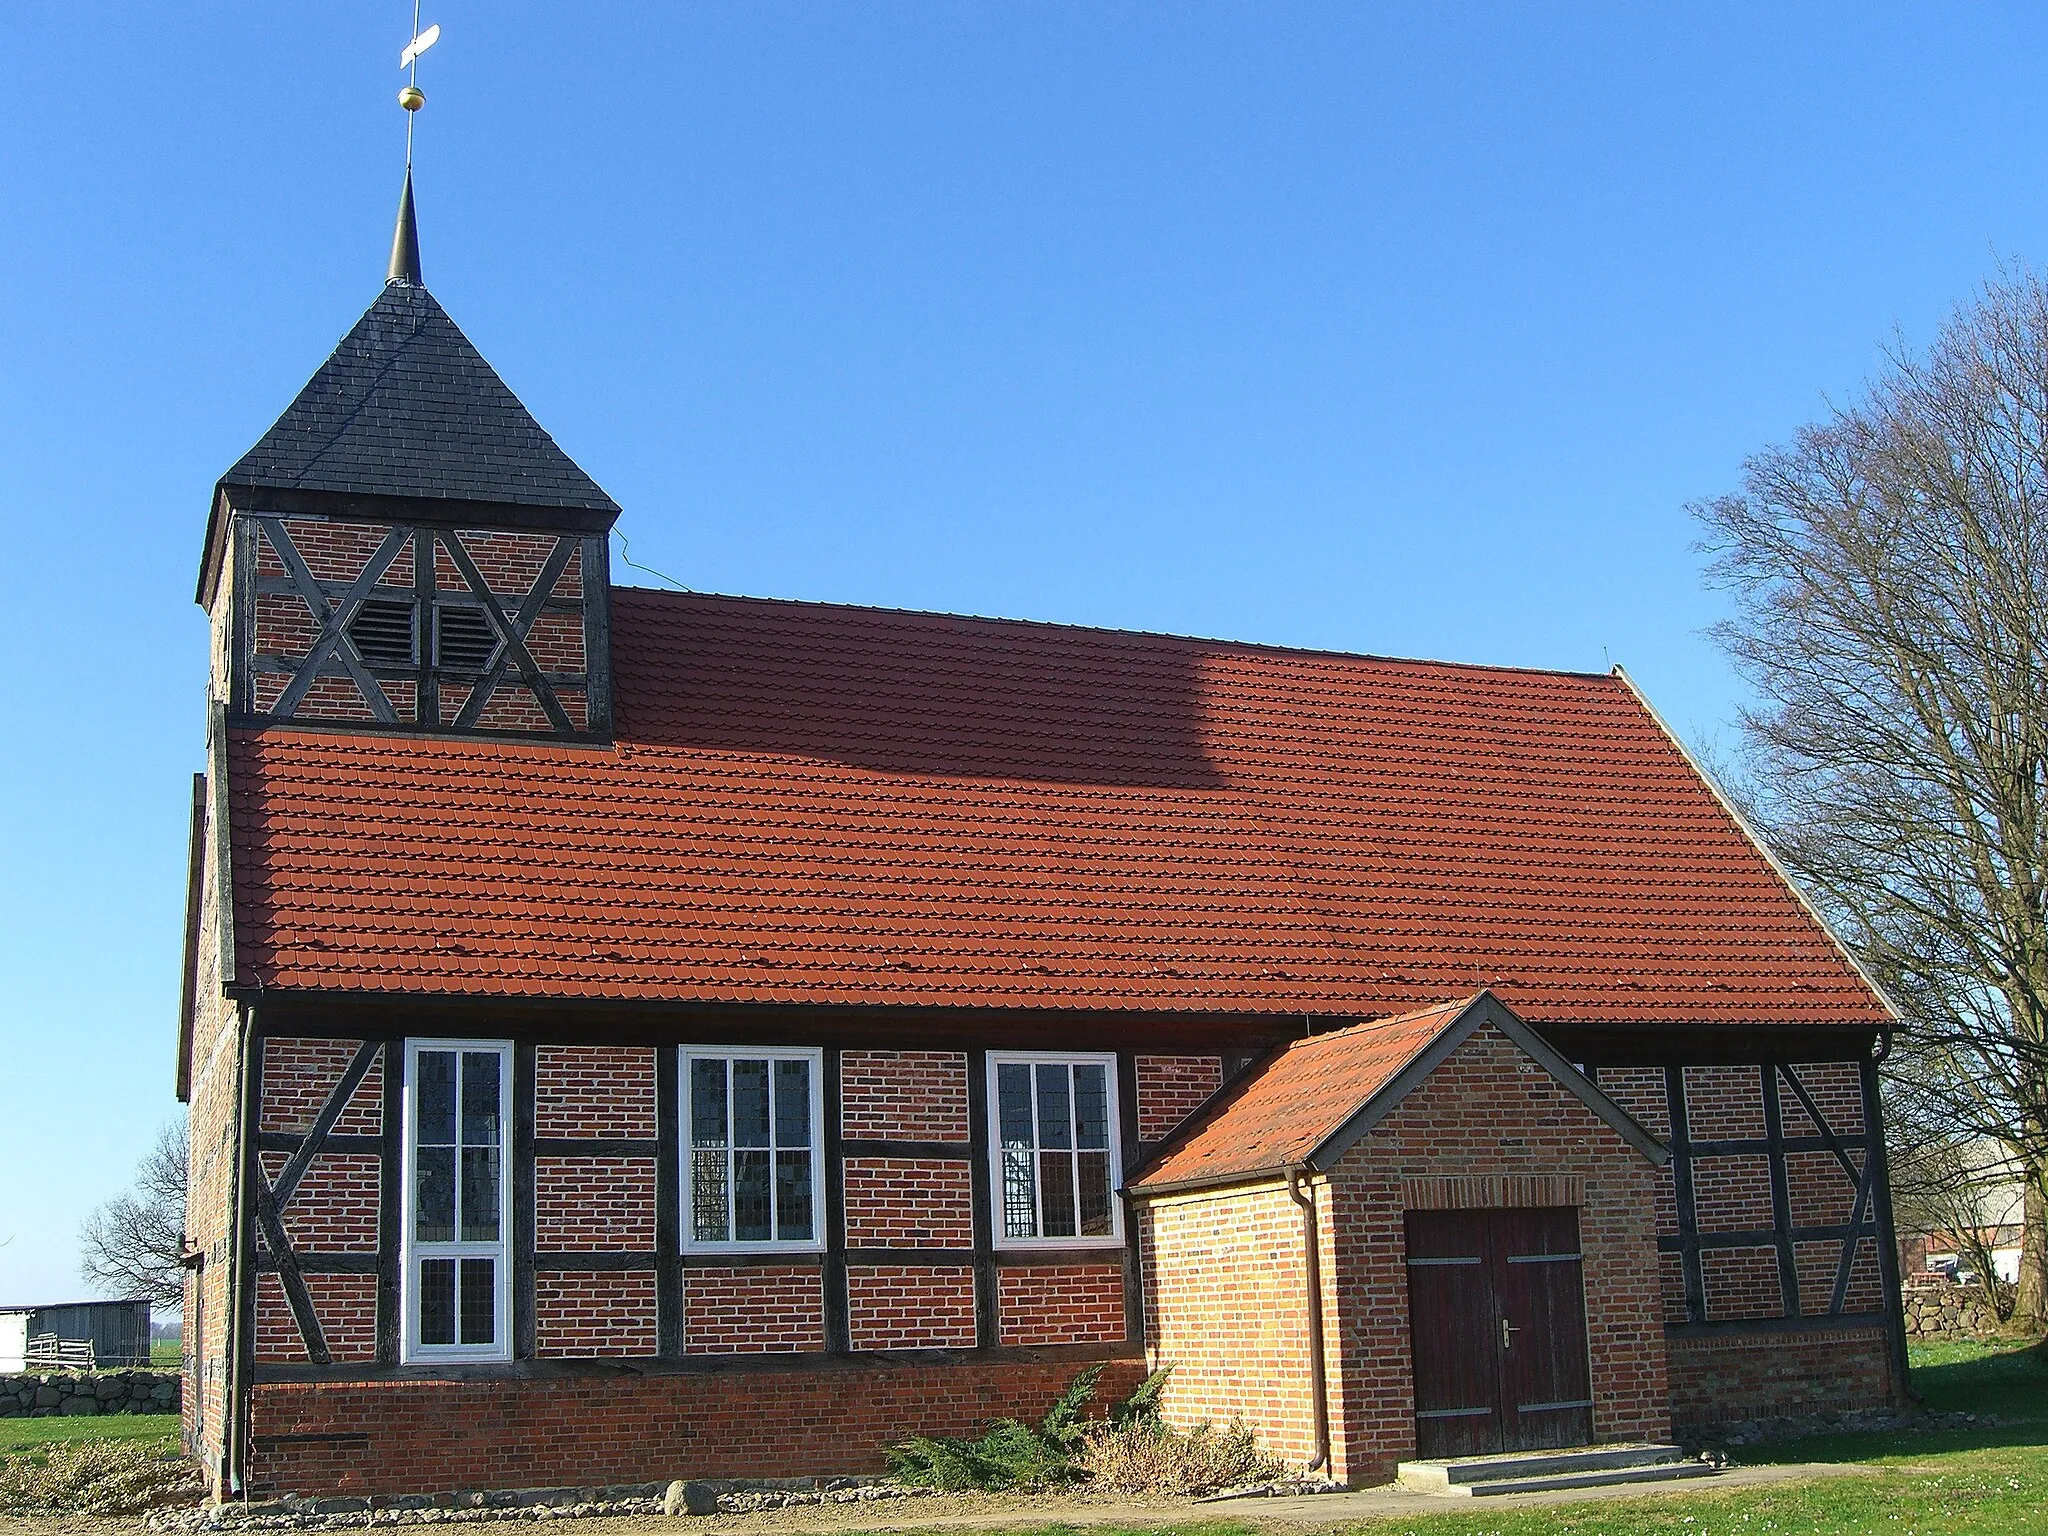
[(728, 1496)]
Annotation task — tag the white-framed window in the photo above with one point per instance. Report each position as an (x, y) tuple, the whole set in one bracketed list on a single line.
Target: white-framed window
[(1055, 1168), (458, 1283), (753, 1158)]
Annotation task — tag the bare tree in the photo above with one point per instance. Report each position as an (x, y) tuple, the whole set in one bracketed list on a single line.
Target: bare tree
[(1949, 1184), (1890, 567), (133, 1244)]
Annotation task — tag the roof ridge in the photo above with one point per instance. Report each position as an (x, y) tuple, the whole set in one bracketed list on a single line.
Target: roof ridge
[(1454, 1007), (1257, 647)]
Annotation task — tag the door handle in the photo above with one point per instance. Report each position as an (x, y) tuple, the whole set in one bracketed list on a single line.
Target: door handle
[(1507, 1332)]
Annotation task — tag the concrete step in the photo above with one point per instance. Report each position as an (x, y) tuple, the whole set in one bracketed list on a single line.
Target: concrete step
[(1663, 1472), (1591, 1466)]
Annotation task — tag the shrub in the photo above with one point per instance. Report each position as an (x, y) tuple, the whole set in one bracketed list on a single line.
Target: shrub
[(1025, 1457), (1148, 1457), (95, 1477)]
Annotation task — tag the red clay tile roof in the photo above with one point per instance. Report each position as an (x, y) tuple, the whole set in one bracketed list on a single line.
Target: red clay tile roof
[(1297, 1100), (816, 804), (1287, 1113)]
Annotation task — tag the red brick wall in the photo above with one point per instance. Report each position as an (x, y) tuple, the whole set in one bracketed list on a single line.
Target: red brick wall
[(1740, 1283), (346, 1306), (593, 1091), (1224, 1306), (923, 1306), (213, 1064), (334, 1208), (1724, 1103), (1226, 1269), (906, 1203), (904, 1095), (337, 552), (1061, 1304), (1837, 1091), (299, 1074), (1489, 1111), (446, 1436), (1732, 1192), (753, 1310), (1718, 1379), (593, 1314), (1640, 1092), (593, 1204), (1170, 1088)]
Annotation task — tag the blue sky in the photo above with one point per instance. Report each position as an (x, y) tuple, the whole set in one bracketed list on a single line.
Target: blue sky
[(1319, 325)]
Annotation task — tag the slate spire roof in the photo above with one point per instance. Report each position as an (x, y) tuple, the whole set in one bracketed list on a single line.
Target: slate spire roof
[(407, 407), (405, 242)]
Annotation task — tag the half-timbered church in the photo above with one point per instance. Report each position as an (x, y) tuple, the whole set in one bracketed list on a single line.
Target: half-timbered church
[(636, 1034)]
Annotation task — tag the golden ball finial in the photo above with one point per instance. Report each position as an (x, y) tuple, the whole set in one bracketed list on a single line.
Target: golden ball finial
[(412, 98)]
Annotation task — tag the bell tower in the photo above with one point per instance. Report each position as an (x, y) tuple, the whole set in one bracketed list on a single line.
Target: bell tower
[(406, 550)]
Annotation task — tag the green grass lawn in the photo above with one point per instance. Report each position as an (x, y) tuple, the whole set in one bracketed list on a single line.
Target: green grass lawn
[(1990, 1480), (166, 1354), (27, 1434)]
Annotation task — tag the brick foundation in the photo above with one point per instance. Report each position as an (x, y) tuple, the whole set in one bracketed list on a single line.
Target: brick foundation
[(445, 1436), (1720, 1379)]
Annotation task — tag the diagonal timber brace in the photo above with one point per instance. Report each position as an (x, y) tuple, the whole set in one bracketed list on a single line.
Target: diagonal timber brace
[(512, 631), (333, 618), (271, 1199)]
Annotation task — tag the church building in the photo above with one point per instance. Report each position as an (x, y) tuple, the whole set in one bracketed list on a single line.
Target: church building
[(638, 1034)]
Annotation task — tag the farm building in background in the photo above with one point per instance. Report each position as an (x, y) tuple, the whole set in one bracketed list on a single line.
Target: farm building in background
[(118, 1331)]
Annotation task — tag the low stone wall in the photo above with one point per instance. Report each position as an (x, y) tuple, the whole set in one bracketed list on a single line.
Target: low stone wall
[(47, 1394), (1949, 1312)]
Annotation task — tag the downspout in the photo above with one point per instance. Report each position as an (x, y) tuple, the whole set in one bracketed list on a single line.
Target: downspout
[(1888, 1236), (241, 1351), (1312, 1265)]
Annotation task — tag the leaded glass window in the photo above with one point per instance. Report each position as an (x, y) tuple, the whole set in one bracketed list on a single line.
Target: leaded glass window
[(456, 1095), (752, 1148), (1055, 1138)]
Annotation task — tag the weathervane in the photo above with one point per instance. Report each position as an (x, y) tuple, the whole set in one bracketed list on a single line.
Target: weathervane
[(410, 96), (405, 240)]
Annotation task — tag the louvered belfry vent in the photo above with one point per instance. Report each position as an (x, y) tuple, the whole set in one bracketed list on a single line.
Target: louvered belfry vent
[(463, 639), (382, 633)]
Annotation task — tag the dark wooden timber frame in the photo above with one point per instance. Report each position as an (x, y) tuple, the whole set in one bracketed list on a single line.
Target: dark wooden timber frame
[(332, 605), (1240, 1040), (1869, 1215), (668, 1262), (276, 1252)]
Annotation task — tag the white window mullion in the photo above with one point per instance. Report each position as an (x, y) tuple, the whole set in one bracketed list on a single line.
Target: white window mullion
[(455, 1249), (1074, 1141), (1111, 1156), (774, 1144)]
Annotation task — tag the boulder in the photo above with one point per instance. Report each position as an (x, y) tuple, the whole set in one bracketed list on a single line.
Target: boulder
[(690, 1498)]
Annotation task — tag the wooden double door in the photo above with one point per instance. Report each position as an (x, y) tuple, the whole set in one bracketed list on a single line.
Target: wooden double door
[(1497, 1324)]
